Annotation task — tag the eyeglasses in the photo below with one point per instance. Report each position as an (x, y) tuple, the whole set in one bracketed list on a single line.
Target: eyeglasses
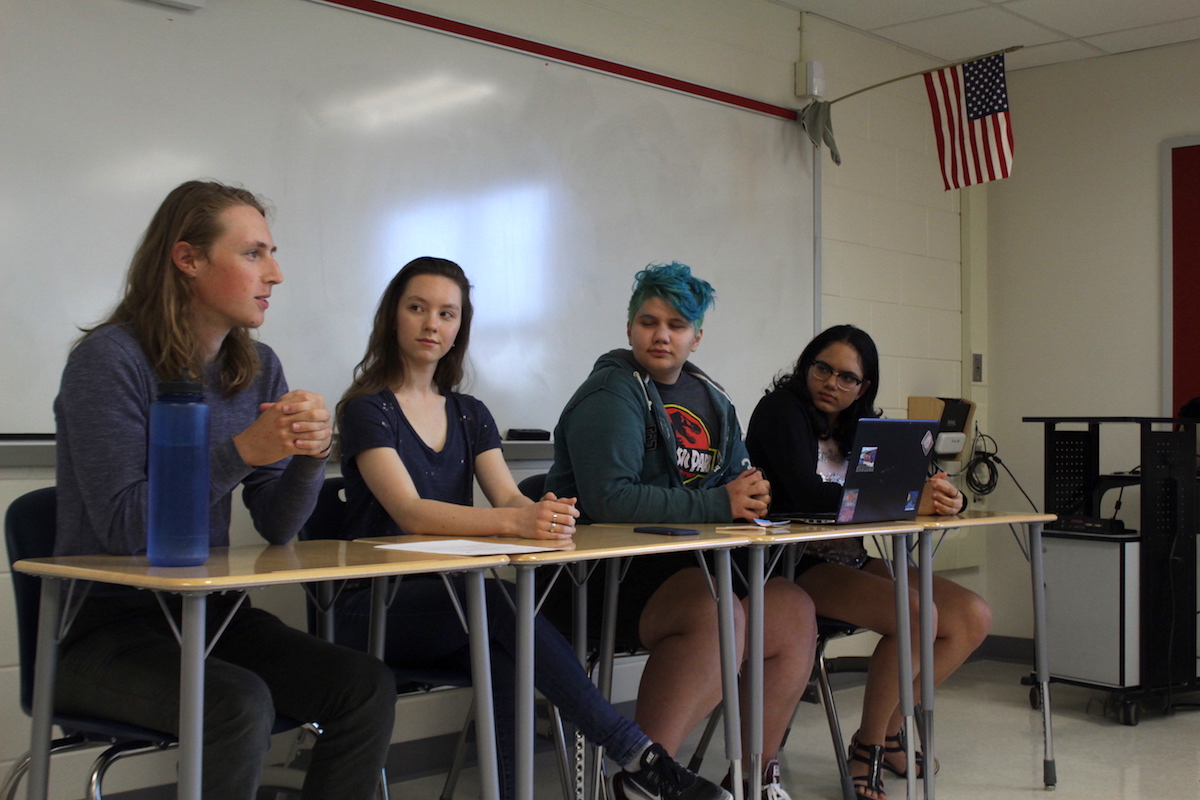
[(846, 381)]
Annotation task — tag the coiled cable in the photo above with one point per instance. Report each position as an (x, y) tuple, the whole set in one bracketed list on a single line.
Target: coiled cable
[(981, 471)]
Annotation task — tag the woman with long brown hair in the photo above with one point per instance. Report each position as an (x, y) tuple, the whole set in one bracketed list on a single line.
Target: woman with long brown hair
[(412, 447)]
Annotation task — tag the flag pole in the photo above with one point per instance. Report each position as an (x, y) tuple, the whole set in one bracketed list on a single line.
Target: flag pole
[(927, 71)]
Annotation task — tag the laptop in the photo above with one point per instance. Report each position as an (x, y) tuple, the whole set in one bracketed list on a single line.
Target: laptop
[(885, 472)]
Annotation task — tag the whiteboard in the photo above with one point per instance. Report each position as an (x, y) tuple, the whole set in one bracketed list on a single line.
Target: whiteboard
[(379, 142)]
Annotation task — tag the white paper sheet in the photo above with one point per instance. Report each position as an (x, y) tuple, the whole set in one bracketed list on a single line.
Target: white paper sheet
[(466, 547)]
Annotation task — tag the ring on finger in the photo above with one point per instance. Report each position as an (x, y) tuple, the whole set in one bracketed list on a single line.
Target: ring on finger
[(552, 527)]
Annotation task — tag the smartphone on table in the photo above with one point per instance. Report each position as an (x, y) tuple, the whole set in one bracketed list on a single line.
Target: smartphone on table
[(666, 530)]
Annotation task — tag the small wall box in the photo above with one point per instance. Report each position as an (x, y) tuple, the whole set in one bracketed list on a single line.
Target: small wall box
[(954, 416)]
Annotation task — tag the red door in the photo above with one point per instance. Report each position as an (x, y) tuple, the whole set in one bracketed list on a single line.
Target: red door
[(1185, 236)]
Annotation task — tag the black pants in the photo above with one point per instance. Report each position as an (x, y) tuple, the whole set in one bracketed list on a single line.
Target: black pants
[(121, 661)]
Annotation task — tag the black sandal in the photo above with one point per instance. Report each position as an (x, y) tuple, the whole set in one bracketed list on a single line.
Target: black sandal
[(899, 744), (872, 756)]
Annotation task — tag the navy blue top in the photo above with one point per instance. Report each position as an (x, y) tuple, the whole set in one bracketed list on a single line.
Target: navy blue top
[(447, 475)]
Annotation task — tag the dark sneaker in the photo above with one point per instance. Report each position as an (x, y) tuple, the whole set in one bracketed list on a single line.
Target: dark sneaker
[(662, 778)]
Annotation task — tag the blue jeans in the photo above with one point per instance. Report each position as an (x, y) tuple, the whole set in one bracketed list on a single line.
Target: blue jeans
[(424, 632), (121, 662)]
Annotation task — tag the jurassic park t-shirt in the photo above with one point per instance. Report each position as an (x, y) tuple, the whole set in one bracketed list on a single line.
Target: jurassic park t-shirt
[(695, 425)]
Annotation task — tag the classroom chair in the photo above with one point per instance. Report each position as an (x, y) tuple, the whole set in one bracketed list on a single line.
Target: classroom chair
[(533, 487), (588, 781), (827, 631), (325, 522), (29, 530), (581, 781)]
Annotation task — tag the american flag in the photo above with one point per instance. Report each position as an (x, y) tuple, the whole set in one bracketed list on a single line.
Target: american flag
[(970, 120)]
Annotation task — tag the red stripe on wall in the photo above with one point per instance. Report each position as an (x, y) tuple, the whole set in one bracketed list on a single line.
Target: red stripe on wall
[(405, 15)]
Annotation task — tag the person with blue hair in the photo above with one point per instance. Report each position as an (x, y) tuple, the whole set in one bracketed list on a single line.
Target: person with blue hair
[(650, 438)]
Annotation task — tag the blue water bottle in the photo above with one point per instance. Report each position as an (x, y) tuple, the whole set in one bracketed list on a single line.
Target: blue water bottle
[(177, 534)]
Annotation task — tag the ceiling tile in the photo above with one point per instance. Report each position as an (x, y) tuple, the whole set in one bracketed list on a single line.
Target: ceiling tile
[(1150, 36), (1042, 54), (867, 15), (1051, 30), (968, 33), (1093, 17)]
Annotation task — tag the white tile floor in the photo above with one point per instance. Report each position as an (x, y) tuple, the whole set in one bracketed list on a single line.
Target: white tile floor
[(989, 745)]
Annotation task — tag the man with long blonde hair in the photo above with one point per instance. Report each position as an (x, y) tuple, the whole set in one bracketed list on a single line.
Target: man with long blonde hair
[(200, 280)]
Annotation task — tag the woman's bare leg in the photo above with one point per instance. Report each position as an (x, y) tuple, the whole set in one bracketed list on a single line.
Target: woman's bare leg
[(865, 597), (681, 682)]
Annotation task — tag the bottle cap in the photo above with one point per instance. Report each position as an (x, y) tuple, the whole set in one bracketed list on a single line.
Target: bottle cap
[(181, 386)]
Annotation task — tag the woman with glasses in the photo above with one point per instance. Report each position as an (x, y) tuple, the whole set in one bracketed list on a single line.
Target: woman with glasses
[(799, 436)]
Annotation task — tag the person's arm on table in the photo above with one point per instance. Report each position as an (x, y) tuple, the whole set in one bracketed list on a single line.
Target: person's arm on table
[(606, 439), (280, 490), (749, 495), (940, 496), (781, 442), (390, 483)]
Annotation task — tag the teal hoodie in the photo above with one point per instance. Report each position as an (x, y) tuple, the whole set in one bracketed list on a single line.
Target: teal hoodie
[(614, 450)]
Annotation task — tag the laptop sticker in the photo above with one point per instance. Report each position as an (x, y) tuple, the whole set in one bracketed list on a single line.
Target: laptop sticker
[(927, 442), (866, 459), (911, 503), (849, 501)]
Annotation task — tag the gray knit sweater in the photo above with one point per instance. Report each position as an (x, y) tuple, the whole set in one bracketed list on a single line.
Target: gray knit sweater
[(103, 411)]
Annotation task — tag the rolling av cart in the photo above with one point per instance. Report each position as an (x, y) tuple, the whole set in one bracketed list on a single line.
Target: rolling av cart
[(1121, 603)]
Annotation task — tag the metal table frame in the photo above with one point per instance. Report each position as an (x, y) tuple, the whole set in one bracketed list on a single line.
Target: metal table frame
[(236, 568)]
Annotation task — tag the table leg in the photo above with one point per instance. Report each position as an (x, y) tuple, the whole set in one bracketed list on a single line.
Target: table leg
[(191, 694), (1041, 651), (927, 633), (754, 664), (481, 679), (579, 610), (729, 669), (324, 602), (900, 545), (45, 671), (377, 630), (608, 629), (524, 677), (579, 636), (605, 655)]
